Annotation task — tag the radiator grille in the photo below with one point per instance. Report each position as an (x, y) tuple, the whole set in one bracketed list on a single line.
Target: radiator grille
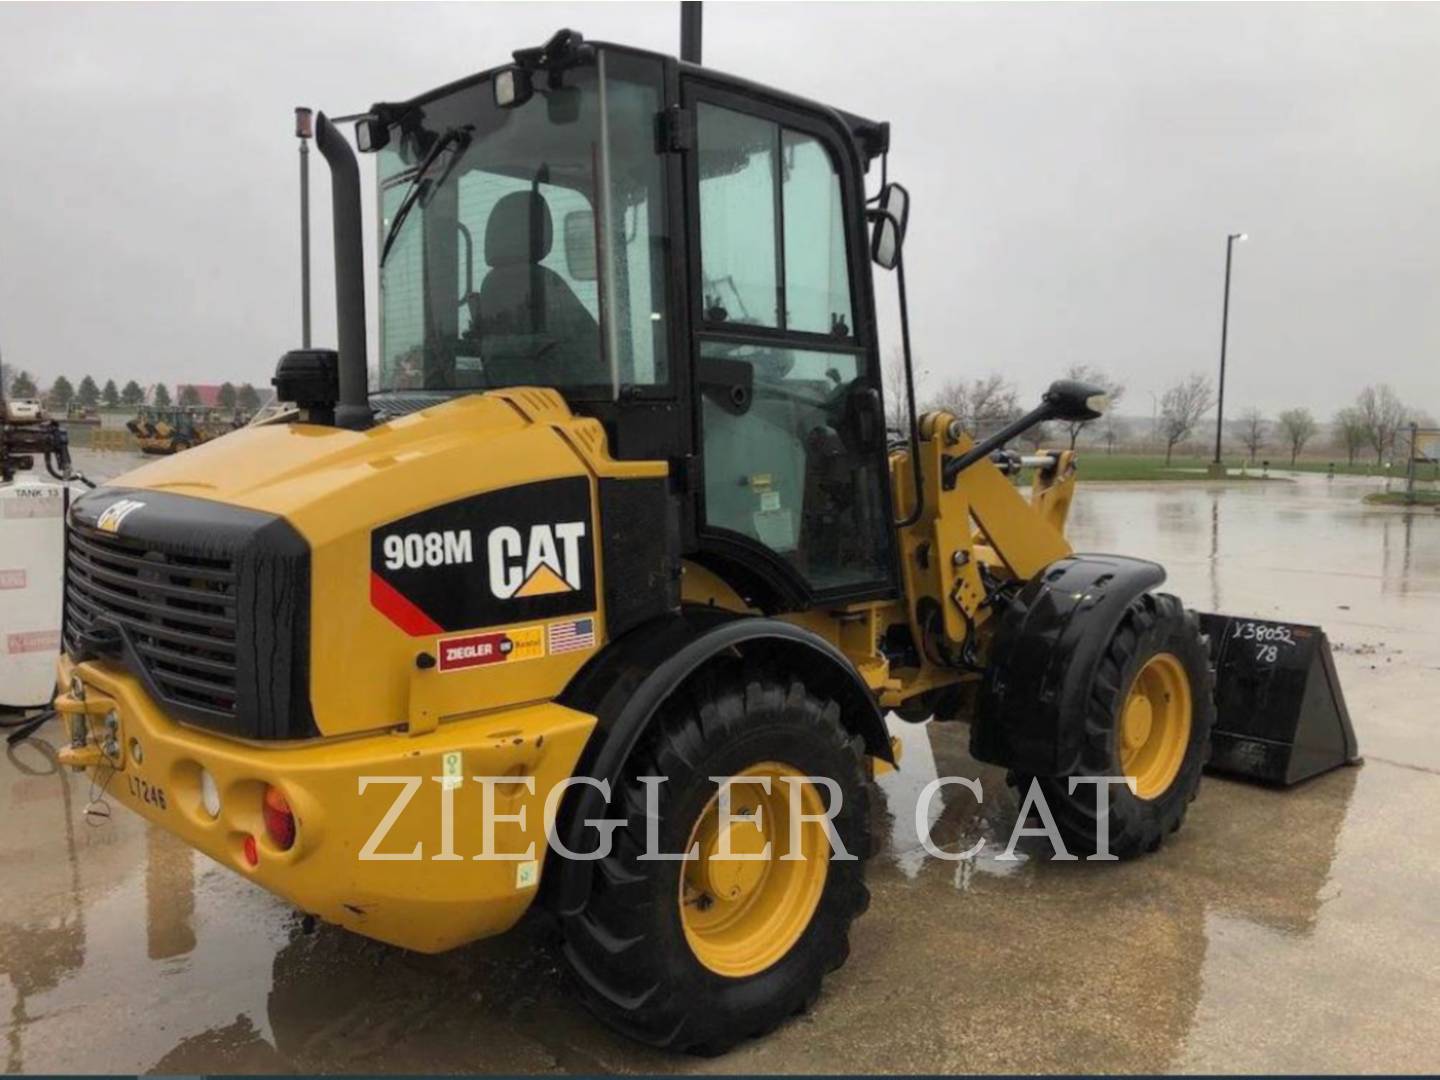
[(177, 612)]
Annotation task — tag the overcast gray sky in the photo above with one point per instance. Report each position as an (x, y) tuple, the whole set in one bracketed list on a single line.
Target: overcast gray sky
[(1074, 171)]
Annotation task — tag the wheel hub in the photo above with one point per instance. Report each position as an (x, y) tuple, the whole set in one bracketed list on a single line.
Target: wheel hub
[(1154, 731), (733, 879), (743, 909)]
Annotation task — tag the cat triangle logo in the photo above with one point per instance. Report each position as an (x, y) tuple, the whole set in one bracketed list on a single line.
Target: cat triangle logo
[(543, 582), (542, 562)]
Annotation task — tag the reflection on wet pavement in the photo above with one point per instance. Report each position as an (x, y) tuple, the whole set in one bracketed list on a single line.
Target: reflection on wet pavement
[(1278, 931)]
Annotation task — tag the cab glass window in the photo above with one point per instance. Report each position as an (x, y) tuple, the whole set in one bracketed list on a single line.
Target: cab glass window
[(738, 246), (772, 227), (533, 248)]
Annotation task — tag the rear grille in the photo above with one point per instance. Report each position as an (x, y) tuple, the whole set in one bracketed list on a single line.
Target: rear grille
[(205, 603), (177, 613)]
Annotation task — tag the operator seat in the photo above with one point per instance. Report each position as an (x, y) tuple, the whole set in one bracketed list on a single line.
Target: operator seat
[(531, 328)]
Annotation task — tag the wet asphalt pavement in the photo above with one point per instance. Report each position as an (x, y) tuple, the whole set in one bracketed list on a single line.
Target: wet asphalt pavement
[(1290, 931)]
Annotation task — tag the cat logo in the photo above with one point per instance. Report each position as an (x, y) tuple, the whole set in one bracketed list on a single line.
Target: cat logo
[(546, 562), (115, 513)]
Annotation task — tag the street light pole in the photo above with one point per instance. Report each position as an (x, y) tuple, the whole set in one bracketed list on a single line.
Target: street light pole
[(304, 131), (1224, 334)]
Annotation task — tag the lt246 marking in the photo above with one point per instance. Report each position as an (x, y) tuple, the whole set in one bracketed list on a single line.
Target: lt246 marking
[(147, 792)]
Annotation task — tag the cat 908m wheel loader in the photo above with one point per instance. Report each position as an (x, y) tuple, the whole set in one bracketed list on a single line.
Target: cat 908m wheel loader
[(622, 507)]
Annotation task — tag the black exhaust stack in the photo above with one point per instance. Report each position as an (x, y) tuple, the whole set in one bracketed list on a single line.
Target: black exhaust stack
[(690, 31), (352, 409)]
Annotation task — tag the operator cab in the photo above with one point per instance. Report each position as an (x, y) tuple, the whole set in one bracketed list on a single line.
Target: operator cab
[(683, 255)]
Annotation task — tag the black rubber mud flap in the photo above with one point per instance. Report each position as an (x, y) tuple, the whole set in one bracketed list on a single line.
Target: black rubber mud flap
[(1030, 715), (1281, 716)]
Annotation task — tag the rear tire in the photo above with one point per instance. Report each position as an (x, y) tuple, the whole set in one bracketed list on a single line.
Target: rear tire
[(641, 952), (1158, 654)]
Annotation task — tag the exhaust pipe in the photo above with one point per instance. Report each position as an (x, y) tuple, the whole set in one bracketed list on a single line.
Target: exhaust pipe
[(352, 409), (690, 31)]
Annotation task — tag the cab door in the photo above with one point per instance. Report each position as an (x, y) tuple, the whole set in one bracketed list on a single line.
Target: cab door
[(794, 481)]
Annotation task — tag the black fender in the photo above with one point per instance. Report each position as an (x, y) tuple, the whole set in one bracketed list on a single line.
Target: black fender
[(1043, 658), (626, 683)]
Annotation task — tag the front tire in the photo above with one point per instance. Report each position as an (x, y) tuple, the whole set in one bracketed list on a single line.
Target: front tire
[(698, 955), (1149, 716)]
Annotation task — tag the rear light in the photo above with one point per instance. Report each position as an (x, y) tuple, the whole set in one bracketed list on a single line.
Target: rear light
[(279, 821), (252, 851)]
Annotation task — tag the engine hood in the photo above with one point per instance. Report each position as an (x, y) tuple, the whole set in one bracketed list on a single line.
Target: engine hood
[(325, 480), (445, 547)]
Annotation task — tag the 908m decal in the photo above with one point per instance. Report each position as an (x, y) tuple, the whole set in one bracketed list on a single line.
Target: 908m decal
[(503, 557)]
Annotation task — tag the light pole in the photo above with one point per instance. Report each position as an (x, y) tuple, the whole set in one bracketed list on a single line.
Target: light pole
[(1224, 333), (304, 131)]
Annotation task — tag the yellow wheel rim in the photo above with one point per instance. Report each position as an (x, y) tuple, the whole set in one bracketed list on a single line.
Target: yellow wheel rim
[(741, 915), (1155, 725)]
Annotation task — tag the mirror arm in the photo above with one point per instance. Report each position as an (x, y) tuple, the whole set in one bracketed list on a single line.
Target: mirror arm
[(954, 466), (914, 515), (878, 213)]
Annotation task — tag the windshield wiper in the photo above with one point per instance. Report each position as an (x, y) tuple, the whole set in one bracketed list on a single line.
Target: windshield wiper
[(417, 184)]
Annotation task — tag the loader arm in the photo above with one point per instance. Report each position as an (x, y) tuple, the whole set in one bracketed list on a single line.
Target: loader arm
[(968, 537)]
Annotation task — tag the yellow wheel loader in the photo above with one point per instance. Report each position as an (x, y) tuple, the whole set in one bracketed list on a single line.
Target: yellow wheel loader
[(598, 601)]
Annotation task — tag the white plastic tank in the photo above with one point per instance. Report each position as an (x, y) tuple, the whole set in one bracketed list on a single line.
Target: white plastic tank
[(32, 572)]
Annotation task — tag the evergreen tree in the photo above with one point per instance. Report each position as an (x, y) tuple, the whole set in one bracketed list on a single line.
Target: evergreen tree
[(23, 386), (162, 396), (88, 396), (132, 394), (247, 398), (189, 396), (62, 393), (110, 395), (226, 398)]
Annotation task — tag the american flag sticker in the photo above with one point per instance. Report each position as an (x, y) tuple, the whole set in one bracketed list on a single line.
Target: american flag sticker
[(571, 636)]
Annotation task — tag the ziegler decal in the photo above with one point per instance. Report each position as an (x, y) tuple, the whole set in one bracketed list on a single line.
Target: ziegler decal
[(498, 647), (524, 553)]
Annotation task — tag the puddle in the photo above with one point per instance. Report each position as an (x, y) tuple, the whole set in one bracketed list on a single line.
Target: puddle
[(1278, 930)]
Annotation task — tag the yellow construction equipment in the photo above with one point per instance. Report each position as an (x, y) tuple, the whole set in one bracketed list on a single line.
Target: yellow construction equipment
[(623, 507)]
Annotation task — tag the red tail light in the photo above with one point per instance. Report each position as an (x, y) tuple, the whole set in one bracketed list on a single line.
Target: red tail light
[(252, 851), (279, 821)]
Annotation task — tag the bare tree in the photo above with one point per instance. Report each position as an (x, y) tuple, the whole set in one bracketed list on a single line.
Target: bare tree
[(1349, 430), (1113, 388), (1037, 435), (1112, 431), (1181, 408), (1299, 426), (1254, 429), (981, 405), (897, 410), (1382, 414)]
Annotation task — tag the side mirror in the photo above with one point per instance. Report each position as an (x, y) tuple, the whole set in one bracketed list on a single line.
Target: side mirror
[(890, 217), (511, 86), (579, 231), (371, 134), (1074, 401), (562, 104)]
